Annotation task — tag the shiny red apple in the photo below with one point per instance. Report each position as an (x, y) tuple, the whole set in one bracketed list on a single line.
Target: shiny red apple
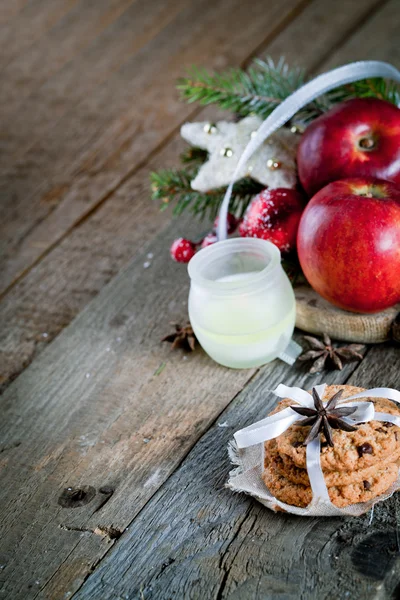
[(356, 138), (348, 244)]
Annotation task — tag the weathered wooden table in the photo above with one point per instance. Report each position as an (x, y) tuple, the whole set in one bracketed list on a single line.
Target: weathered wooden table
[(92, 401)]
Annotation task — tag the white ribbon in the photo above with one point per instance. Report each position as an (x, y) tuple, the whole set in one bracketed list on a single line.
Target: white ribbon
[(289, 107), (275, 425)]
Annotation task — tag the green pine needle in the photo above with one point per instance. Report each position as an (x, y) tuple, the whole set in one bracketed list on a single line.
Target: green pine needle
[(173, 187), (265, 85), (257, 91)]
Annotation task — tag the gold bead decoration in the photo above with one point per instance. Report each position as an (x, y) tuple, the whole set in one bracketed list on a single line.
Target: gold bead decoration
[(210, 128), (253, 134), (295, 129), (249, 169), (273, 164), (227, 152)]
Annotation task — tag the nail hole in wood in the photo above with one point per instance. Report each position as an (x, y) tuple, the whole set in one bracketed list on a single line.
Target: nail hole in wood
[(75, 497)]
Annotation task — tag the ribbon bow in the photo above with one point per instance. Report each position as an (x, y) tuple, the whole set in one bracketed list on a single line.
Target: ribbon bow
[(275, 425)]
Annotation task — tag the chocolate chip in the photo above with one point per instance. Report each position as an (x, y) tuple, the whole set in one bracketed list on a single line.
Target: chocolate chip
[(367, 485), (365, 448), (324, 444), (396, 435), (388, 424), (297, 444), (380, 429)]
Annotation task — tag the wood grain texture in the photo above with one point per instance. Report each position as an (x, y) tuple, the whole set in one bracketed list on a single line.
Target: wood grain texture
[(103, 169), (107, 405), (23, 23), (316, 315), (22, 76), (125, 118), (196, 539), (8, 10), (85, 48), (47, 299), (109, 412)]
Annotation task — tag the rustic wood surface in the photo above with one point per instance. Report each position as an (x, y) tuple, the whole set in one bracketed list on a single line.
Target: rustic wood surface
[(48, 297), (113, 447), (124, 118)]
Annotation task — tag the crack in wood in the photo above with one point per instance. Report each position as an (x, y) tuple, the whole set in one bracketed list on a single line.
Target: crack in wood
[(223, 566), (113, 533), (10, 446), (107, 492)]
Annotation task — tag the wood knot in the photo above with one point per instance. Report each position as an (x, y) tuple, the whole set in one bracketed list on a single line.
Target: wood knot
[(106, 490), (76, 497), (374, 555)]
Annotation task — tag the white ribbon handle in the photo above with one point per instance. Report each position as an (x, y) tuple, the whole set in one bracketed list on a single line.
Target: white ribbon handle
[(289, 107)]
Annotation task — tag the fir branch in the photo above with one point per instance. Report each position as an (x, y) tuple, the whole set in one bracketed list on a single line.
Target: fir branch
[(174, 186), (193, 155), (258, 90), (265, 85), (367, 88)]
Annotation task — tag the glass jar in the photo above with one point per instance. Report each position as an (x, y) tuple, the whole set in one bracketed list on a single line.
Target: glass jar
[(241, 303)]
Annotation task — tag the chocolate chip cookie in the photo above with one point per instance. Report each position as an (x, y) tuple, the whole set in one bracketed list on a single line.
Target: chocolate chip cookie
[(300, 495), (371, 444)]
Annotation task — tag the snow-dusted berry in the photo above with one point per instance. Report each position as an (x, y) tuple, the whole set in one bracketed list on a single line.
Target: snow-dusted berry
[(182, 250), (210, 239), (274, 215)]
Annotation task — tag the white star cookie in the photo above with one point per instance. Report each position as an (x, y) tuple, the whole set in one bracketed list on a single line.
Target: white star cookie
[(273, 164)]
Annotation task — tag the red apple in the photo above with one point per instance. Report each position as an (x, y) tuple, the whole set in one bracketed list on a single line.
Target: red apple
[(349, 244), (274, 215), (356, 138)]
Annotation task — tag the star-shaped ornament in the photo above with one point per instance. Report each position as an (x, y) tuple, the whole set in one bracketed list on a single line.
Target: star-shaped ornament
[(273, 164)]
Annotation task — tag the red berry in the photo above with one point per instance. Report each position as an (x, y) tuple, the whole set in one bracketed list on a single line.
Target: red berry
[(232, 223), (274, 215), (210, 239), (182, 250)]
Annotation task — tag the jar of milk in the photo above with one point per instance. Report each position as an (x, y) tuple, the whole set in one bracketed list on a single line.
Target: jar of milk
[(241, 303)]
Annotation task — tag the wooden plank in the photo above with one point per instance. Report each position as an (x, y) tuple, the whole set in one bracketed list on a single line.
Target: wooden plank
[(92, 411), (49, 297), (90, 40), (28, 22), (27, 72), (107, 405), (220, 545), (81, 158), (196, 539), (8, 10)]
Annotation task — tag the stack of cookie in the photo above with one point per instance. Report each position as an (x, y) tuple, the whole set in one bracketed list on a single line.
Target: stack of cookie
[(360, 466)]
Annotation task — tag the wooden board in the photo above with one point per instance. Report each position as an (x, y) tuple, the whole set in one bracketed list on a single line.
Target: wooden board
[(46, 200), (108, 410), (316, 315), (78, 159), (49, 296), (196, 539)]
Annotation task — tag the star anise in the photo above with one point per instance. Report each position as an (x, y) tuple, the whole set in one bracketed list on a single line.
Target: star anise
[(325, 418), (182, 337), (321, 350)]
